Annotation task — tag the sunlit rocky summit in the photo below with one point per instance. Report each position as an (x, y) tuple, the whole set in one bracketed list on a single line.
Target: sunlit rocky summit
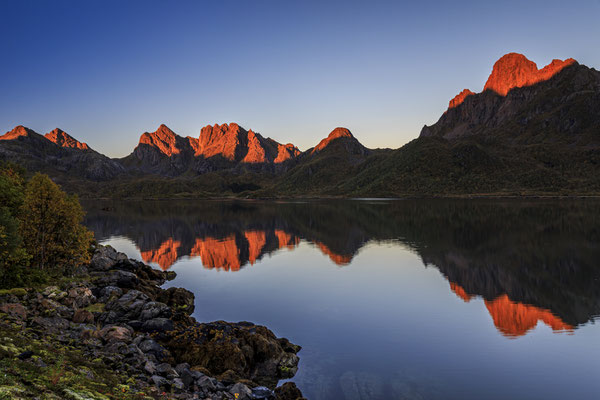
[(529, 131)]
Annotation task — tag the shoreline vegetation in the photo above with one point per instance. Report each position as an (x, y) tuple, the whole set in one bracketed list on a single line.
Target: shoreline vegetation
[(81, 321)]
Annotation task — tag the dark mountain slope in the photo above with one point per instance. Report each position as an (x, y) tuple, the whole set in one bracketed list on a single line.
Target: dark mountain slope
[(322, 169), (63, 161)]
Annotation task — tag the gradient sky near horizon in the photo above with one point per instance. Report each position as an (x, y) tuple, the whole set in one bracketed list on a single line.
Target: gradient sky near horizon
[(106, 71)]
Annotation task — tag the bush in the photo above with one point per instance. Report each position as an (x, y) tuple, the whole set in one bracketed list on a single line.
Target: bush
[(51, 226)]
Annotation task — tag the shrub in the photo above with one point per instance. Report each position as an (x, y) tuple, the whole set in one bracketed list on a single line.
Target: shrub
[(51, 226)]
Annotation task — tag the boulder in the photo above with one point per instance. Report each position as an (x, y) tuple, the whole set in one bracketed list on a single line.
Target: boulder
[(154, 309), (15, 310), (179, 299), (288, 391), (115, 334), (149, 346), (129, 306), (249, 351), (262, 393), (80, 297), (109, 293), (83, 317), (161, 325), (165, 369), (241, 391), (160, 382)]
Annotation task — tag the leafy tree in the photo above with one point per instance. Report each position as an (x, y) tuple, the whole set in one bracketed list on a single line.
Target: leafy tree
[(13, 257), (11, 187), (51, 226)]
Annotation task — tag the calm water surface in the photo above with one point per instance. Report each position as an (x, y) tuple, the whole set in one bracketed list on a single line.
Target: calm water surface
[(392, 299)]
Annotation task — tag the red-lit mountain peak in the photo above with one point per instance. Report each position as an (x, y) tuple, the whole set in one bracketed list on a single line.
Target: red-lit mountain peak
[(515, 70), (337, 133), (459, 98), (63, 139), (16, 132), (164, 139)]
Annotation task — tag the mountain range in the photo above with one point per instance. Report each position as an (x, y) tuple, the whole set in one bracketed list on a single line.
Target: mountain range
[(529, 131)]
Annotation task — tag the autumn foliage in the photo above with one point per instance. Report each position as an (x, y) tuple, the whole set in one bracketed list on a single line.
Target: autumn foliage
[(40, 228)]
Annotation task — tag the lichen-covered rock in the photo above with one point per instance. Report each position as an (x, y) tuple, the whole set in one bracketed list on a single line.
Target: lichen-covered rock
[(181, 300), (250, 351)]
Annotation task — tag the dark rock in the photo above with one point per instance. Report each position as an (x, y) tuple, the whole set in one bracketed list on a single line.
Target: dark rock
[(116, 347), (109, 293), (104, 258), (115, 334), (178, 384), (81, 297), (262, 393), (129, 306), (161, 325), (166, 370), (249, 351), (154, 309), (150, 367), (241, 391), (135, 324), (182, 367), (52, 324), (149, 346), (288, 391), (160, 382), (207, 384), (187, 377), (15, 310), (83, 316), (179, 299)]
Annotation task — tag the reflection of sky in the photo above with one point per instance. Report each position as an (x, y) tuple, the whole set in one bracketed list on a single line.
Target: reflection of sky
[(390, 323)]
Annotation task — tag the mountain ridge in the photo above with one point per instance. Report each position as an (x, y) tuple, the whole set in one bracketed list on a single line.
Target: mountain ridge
[(530, 131)]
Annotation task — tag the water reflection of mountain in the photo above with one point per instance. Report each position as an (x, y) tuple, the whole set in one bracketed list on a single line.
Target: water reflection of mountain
[(529, 261)]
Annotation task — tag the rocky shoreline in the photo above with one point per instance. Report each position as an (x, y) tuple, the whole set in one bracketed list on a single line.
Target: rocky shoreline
[(115, 317)]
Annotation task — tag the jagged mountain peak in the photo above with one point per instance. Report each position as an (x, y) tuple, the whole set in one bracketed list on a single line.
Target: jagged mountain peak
[(63, 139), (18, 131), (459, 98), (515, 70)]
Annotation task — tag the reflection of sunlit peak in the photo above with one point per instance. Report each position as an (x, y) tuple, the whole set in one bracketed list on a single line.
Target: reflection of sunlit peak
[(218, 253), (165, 255), (460, 292), (516, 319), (338, 259), (286, 239), (256, 242)]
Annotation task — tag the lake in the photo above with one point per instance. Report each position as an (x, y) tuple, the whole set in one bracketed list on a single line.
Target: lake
[(392, 299)]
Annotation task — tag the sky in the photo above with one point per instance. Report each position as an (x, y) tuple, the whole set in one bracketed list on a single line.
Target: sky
[(107, 71)]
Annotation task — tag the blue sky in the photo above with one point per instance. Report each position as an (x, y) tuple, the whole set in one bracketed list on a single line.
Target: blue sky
[(106, 71)]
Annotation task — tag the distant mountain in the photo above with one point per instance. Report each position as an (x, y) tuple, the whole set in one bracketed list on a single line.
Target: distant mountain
[(530, 131), (58, 154), (322, 168), (558, 102), (219, 147)]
